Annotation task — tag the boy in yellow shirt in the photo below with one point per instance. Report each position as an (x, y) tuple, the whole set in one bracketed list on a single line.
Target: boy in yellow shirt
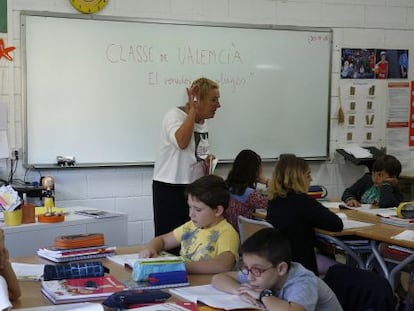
[(209, 244)]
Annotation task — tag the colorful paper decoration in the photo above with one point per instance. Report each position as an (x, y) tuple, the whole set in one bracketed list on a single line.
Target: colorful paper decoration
[(4, 52)]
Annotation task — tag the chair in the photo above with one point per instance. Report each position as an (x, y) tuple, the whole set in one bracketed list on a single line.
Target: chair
[(248, 226), (360, 290)]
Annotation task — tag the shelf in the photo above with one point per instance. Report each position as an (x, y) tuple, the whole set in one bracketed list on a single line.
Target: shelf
[(362, 161)]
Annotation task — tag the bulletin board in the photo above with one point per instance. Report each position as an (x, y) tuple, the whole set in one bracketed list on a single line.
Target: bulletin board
[(3, 16), (97, 89)]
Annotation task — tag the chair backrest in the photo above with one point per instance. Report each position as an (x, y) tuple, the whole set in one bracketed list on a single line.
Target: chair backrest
[(248, 226), (360, 290)]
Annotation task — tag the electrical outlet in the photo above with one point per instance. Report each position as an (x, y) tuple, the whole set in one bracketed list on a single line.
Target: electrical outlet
[(16, 154)]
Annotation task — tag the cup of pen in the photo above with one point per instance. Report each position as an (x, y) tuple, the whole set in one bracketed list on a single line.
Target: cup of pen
[(13, 218)]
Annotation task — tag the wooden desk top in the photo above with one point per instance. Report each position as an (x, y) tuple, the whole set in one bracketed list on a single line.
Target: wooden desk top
[(32, 296), (379, 231)]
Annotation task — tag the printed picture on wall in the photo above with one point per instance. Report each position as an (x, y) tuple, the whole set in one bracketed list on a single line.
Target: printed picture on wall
[(358, 63), (374, 64)]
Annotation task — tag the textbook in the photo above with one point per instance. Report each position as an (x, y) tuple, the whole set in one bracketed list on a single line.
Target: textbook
[(168, 306), (350, 224), (95, 213), (76, 254), (396, 221), (80, 290), (212, 297), (81, 306), (65, 252)]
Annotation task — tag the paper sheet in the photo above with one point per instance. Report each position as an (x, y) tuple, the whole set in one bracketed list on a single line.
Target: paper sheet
[(4, 145), (407, 235), (27, 271)]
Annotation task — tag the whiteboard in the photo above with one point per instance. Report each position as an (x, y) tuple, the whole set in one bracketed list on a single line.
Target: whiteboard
[(97, 89)]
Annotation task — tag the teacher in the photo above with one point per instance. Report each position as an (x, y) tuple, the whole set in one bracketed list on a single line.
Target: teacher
[(183, 154)]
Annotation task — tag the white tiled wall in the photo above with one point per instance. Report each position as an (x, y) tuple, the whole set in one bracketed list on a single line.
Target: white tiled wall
[(356, 23)]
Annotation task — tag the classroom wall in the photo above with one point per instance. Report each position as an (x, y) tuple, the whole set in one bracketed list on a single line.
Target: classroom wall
[(356, 23)]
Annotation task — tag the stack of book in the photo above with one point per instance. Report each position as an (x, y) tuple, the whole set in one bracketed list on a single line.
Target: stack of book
[(55, 254), (397, 221), (79, 290)]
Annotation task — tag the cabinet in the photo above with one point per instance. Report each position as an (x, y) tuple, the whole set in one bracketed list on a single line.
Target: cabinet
[(25, 240), (406, 181)]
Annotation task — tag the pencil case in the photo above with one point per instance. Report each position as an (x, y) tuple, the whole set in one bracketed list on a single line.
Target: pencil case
[(80, 240), (172, 277), (124, 299), (142, 269), (74, 270)]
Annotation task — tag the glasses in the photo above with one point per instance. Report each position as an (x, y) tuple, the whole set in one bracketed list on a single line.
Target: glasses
[(253, 270)]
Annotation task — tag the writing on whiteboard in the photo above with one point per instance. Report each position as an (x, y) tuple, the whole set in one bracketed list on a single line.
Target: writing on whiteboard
[(318, 38), (185, 55), (234, 82)]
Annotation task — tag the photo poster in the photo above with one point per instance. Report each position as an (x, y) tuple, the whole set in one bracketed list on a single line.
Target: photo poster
[(362, 103), (374, 63)]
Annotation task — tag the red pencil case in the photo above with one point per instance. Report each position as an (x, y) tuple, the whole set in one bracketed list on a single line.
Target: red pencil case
[(80, 240)]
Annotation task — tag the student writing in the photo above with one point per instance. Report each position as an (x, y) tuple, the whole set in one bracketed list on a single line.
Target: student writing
[(242, 179), (209, 244), (269, 279), (296, 214)]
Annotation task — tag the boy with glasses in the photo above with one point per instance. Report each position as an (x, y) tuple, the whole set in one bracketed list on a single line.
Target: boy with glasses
[(269, 279)]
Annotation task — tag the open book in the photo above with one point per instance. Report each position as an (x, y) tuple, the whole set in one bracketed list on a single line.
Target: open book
[(351, 224), (212, 297)]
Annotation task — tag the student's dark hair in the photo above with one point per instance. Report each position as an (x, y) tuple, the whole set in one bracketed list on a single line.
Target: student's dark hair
[(244, 171), (268, 243), (211, 190), (387, 163)]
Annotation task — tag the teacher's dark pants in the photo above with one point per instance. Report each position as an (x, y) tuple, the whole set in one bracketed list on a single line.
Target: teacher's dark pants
[(170, 206)]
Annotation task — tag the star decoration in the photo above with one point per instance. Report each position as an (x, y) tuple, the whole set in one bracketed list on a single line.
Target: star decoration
[(4, 52)]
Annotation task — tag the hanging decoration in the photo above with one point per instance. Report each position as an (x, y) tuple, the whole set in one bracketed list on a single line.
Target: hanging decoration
[(4, 52)]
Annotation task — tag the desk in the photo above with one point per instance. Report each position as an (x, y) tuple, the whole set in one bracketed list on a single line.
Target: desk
[(25, 240), (32, 297), (378, 232)]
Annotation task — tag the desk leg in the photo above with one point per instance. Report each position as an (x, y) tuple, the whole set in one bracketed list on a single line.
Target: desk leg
[(390, 275), (345, 247), (380, 260), (398, 268)]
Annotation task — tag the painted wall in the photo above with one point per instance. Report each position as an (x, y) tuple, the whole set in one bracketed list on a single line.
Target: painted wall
[(356, 23)]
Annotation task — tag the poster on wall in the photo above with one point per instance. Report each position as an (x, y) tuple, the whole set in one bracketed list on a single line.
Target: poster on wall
[(397, 120), (362, 113), (374, 63)]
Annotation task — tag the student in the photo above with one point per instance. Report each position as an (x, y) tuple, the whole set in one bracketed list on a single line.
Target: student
[(379, 188), (10, 289), (295, 213), (269, 279), (242, 179), (183, 154), (209, 244)]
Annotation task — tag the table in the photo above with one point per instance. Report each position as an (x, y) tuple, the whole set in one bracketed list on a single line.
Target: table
[(378, 232), (32, 297), (26, 239)]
